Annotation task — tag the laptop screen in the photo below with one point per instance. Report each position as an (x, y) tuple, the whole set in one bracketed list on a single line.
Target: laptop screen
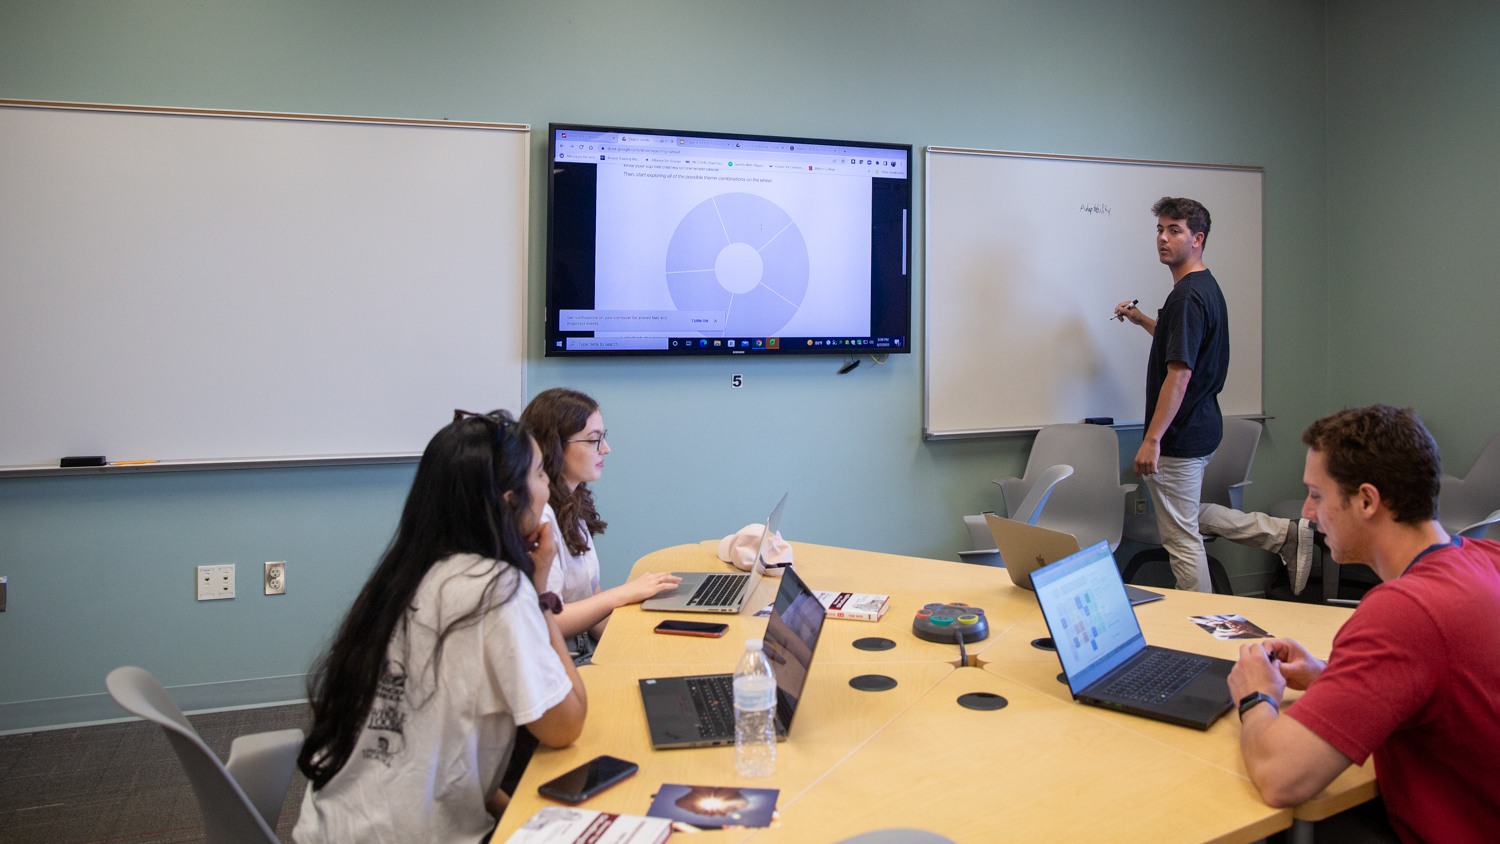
[(791, 637), (1088, 614)]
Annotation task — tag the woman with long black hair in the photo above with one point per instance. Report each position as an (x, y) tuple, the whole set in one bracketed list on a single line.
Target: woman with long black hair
[(447, 649)]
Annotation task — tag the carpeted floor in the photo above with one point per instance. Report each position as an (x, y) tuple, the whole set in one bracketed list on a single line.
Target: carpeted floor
[(121, 782)]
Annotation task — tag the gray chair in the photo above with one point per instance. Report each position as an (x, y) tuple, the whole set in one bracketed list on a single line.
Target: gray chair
[(240, 801), (1030, 509), (1090, 504), (1463, 503)]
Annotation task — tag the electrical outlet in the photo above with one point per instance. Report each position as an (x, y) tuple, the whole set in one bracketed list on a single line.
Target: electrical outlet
[(1140, 506), (276, 578), (215, 583)]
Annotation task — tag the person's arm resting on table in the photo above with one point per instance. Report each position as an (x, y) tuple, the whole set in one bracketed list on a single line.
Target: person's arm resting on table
[(1288, 763), (592, 613), (1167, 405)]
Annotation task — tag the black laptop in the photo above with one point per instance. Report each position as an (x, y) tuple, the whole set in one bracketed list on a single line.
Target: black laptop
[(699, 711), (1106, 659)]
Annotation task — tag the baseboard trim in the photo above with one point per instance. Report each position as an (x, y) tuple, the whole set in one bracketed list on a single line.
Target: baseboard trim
[(30, 716)]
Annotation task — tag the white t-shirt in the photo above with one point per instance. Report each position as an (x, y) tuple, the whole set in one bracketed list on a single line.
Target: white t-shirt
[(572, 578), (427, 759)]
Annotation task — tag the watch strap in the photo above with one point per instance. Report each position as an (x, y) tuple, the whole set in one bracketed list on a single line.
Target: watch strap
[(1249, 701)]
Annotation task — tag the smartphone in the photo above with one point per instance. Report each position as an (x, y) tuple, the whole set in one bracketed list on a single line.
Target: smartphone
[(692, 628), (588, 779)]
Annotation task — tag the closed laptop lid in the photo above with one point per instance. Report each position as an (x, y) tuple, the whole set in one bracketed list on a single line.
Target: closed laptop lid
[(791, 637), (1088, 613)]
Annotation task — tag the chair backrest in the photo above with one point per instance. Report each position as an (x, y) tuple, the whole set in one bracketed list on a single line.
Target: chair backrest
[(1231, 464), (1465, 501), (228, 815), (1090, 504), (898, 836)]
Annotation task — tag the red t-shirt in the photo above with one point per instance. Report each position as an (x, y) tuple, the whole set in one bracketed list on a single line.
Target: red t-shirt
[(1414, 678)]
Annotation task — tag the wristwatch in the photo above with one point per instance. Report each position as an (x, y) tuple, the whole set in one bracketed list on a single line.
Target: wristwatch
[(1250, 700)]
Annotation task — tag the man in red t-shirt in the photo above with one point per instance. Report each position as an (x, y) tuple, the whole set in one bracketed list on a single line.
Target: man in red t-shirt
[(1414, 676)]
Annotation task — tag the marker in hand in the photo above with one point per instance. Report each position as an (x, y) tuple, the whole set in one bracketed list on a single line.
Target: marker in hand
[(1131, 306)]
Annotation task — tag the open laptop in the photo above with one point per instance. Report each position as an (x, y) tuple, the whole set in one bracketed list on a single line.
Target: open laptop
[(699, 711), (1025, 548), (702, 591), (1106, 659)]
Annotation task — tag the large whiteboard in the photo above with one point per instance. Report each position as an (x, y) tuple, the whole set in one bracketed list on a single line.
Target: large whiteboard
[(188, 285), (1026, 257)]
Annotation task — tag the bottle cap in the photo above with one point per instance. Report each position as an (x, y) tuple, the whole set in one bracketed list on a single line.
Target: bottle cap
[(753, 644)]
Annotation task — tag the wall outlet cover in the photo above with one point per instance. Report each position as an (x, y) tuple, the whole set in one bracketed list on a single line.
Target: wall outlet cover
[(215, 583), (276, 578)]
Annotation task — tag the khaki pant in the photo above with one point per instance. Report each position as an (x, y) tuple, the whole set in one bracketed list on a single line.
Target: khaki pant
[(1176, 489)]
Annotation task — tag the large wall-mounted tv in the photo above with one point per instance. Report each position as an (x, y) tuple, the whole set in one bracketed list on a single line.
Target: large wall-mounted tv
[(695, 243)]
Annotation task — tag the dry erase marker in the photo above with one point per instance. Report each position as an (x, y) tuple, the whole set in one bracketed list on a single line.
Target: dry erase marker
[(1129, 307), (131, 462)]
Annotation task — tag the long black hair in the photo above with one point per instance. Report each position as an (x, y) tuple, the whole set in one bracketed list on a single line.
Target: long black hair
[(457, 505)]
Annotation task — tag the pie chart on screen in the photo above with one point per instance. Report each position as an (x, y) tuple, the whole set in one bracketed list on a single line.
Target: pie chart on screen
[(741, 254)]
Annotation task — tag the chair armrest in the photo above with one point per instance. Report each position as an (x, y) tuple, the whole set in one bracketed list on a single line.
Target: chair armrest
[(1237, 495), (1477, 530), (262, 763), (1126, 489), (1012, 493), (1031, 509)]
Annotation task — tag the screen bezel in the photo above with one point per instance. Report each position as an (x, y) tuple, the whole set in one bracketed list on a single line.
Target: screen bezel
[(550, 306)]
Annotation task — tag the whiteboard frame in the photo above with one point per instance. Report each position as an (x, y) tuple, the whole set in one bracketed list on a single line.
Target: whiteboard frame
[(47, 470), (927, 433)]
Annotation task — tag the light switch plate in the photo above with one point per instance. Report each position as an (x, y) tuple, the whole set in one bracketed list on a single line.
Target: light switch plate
[(276, 578), (215, 583)]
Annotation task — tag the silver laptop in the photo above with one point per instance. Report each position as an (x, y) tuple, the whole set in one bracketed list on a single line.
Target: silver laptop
[(702, 591), (1025, 548)]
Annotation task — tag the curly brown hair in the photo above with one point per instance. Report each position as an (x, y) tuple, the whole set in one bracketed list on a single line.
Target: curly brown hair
[(553, 417), (1182, 208), (1386, 447)]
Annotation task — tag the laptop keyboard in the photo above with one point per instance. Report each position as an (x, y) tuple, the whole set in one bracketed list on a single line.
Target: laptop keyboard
[(1156, 678), (713, 697), (718, 590)]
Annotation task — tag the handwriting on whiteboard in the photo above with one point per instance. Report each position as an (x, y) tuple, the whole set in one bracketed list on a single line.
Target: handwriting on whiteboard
[(1098, 208)]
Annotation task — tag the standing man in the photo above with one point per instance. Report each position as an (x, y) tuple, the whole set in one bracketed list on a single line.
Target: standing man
[(1184, 375), (1413, 677)]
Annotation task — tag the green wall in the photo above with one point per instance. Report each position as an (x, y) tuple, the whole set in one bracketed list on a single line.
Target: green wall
[(100, 567), (1413, 182)]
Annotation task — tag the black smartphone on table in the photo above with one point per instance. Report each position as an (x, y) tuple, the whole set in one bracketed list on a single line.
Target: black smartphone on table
[(587, 779), (692, 628)]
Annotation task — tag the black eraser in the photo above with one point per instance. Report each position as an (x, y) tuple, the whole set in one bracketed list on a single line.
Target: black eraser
[(70, 462), (1099, 420)]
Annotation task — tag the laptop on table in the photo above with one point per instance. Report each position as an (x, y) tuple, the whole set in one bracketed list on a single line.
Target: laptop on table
[(702, 591), (1025, 548), (699, 711), (1106, 659)]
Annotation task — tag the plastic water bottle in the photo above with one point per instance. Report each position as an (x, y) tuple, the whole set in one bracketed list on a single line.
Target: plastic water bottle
[(754, 713)]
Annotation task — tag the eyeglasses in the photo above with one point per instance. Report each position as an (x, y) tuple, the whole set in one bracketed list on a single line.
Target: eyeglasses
[(598, 444)]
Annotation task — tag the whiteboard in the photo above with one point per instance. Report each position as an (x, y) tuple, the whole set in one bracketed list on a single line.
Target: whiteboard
[(1027, 256), (190, 285)]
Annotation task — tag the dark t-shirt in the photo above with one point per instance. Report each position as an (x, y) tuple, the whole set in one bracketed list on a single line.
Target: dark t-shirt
[(1192, 327)]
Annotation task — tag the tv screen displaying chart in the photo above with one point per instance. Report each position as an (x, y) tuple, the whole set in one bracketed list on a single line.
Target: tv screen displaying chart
[(691, 243)]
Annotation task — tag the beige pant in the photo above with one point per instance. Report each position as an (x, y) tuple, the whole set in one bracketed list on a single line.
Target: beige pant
[(1176, 489), (1254, 529)]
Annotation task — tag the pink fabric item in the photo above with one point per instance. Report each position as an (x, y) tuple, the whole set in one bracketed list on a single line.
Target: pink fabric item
[(738, 549)]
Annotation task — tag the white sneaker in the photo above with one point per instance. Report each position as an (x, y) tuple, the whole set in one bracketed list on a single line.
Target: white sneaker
[(1297, 553)]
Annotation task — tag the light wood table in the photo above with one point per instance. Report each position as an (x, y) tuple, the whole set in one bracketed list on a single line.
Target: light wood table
[(1042, 768)]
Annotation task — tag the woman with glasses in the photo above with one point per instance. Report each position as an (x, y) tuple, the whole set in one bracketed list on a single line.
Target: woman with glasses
[(451, 644), (570, 430)]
